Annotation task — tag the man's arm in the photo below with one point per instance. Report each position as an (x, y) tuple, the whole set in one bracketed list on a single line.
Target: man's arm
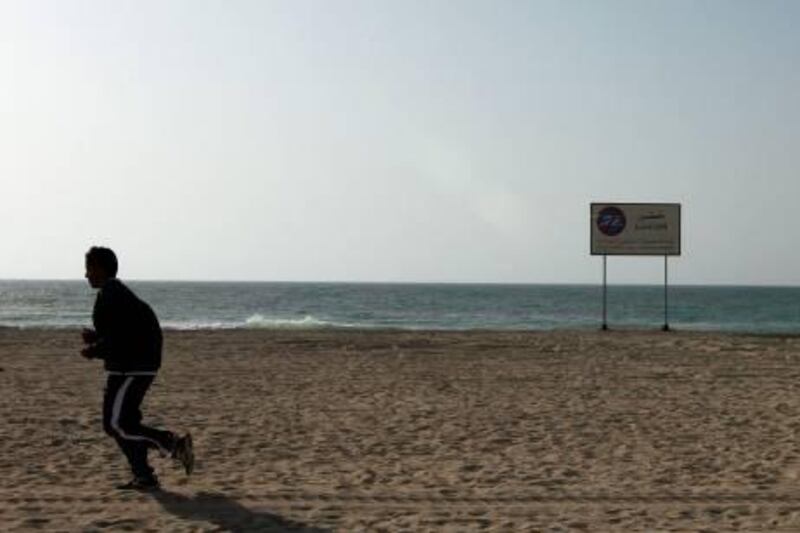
[(106, 317)]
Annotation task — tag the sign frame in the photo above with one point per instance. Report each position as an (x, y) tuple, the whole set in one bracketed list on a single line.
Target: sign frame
[(642, 204)]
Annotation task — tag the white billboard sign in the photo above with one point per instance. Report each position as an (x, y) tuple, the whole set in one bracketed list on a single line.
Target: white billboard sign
[(636, 229)]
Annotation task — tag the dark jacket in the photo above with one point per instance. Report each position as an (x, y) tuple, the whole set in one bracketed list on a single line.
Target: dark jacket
[(128, 333)]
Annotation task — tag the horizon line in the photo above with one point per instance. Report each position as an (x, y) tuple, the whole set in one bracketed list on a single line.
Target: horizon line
[(389, 282)]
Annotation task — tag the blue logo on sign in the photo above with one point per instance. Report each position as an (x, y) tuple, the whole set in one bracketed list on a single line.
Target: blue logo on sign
[(611, 221)]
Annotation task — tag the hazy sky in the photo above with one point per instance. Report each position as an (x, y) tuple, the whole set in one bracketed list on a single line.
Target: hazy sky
[(396, 140)]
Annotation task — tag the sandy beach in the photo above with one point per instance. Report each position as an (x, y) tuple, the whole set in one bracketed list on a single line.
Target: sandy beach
[(416, 431)]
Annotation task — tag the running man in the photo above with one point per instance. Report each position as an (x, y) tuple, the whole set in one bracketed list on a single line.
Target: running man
[(127, 337)]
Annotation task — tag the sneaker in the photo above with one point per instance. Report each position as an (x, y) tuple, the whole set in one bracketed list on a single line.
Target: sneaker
[(142, 484), (184, 453)]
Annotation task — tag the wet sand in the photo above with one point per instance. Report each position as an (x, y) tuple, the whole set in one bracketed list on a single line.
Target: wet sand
[(416, 431)]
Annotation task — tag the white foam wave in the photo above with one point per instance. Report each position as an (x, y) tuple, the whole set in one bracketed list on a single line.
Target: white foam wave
[(198, 325), (258, 321)]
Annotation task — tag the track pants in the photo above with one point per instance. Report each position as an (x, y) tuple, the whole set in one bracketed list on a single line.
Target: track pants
[(122, 419)]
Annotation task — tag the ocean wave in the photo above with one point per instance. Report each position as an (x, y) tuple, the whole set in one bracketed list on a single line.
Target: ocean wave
[(198, 325), (258, 321)]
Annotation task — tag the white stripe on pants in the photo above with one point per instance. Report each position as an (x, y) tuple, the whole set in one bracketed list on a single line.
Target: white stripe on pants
[(119, 399)]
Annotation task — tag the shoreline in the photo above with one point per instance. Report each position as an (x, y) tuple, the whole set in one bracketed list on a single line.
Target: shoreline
[(337, 330)]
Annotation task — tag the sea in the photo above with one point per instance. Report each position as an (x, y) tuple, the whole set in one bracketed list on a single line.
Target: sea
[(418, 306)]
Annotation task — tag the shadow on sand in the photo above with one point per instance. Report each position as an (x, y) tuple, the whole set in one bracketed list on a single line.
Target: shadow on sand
[(227, 514)]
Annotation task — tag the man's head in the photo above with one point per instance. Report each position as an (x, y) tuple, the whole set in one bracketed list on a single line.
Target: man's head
[(101, 265)]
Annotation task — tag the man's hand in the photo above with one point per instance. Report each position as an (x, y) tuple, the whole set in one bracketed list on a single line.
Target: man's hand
[(88, 352), (89, 336)]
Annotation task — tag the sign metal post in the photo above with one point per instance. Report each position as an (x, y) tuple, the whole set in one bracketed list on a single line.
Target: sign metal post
[(605, 294), (666, 306)]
